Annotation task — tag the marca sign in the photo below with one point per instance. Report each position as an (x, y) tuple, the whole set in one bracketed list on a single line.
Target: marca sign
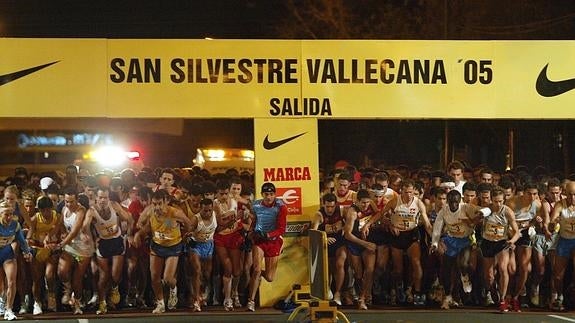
[(292, 198)]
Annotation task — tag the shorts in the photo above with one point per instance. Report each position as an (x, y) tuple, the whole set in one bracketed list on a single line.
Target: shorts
[(165, 252), (379, 236), (490, 249), (354, 249), (41, 255), (108, 248), (405, 239), (229, 241), (540, 244), (332, 248), (271, 248), (565, 247), (203, 249), (554, 241), (453, 246), (524, 240), (6, 253)]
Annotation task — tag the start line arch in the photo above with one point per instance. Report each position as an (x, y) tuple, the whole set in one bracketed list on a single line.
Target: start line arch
[(285, 86)]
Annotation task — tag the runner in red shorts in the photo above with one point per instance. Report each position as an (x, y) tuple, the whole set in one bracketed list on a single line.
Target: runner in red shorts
[(270, 217)]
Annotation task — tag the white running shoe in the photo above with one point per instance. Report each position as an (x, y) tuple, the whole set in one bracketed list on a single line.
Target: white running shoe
[(251, 306), (37, 309), (160, 307), (466, 282), (173, 298), (9, 315), (337, 298), (361, 304), (228, 304), (197, 307)]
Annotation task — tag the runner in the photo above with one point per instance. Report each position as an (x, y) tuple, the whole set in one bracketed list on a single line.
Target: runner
[(361, 251), (106, 217), (11, 237), (527, 208), (456, 220), (564, 216), (78, 247), (163, 222), (201, 249), (406, 212), (329, 218), (500, 232), (42, 239), (228, 240), (270, 220)]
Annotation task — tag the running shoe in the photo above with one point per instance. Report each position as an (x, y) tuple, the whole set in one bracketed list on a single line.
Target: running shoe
[(409, 296), (197, 307), (503, 307), (93, 301), (160, 307), (337, 298), (9, 315), (102, 308), (228, 304), (488, 299), (114, 295), (515, 305), (251, 306), (37, 309), (535, 300), (173, 298), (52, 306), (466, 283), (446, 302), (361, 304), (66, 297), (237, 302), (557, 305)]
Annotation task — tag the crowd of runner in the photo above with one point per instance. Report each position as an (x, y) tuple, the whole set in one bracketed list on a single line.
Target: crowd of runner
[(397, 236)]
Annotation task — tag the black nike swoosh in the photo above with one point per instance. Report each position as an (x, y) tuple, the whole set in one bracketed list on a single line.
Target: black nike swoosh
[(269, 145), (7, 78), (548, 88)]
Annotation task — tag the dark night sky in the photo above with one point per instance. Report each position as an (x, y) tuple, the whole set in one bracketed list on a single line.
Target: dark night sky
[(139, 19)]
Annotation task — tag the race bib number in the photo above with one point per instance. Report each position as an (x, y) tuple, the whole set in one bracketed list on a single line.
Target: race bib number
[(160, 236), (333, 228), (456, 230), (109, 231), (363, 221), (202, 236), (4, 241), (494, 232), (406, 224), (569, 225)]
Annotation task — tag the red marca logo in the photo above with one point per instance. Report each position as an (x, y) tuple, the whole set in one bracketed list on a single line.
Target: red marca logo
[(292, 198), (279, 174)]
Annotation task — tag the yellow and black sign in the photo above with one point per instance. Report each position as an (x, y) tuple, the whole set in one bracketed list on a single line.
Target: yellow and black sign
[(286, 79)]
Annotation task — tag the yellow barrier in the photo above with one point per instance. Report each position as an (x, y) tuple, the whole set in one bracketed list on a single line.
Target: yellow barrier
[(314, 298)]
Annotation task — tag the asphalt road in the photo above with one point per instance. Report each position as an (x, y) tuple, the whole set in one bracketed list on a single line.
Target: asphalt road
[(217, 314)]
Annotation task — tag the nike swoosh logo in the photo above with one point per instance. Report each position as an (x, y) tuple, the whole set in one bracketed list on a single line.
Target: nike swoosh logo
[(314, 265), (548, 88), (7, 78), (269, 145)]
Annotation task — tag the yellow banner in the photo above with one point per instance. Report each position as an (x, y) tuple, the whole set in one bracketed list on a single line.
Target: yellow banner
[(287, 155), (286, 79), (53, 78)]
